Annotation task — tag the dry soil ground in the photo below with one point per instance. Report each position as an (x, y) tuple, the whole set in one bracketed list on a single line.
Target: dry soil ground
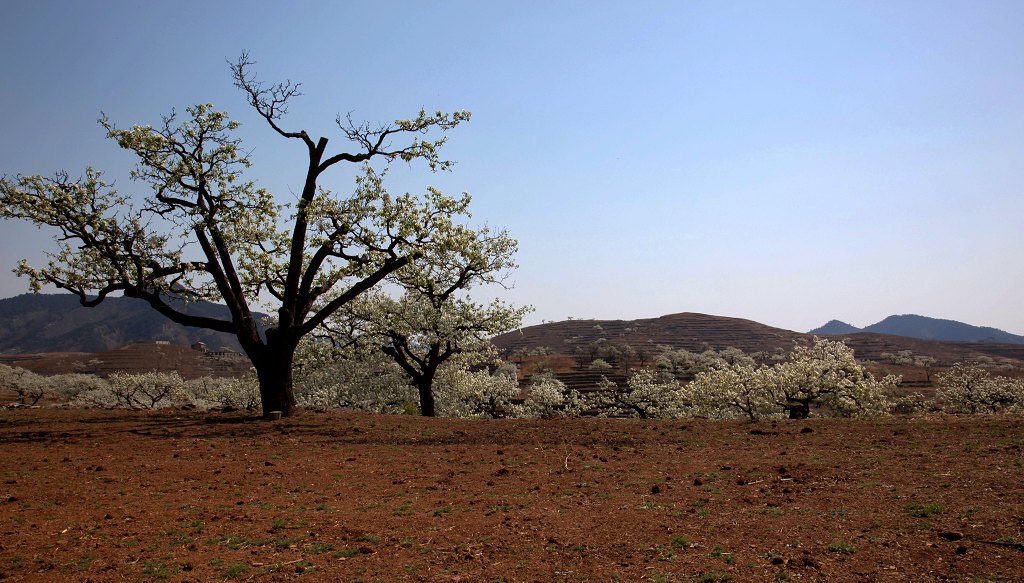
[(189, 496)]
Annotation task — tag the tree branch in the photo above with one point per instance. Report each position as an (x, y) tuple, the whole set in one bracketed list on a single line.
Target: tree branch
[(270, 102), (354, 292)]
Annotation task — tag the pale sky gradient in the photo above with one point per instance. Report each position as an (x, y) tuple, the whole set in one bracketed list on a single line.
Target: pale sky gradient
[(786, 162)]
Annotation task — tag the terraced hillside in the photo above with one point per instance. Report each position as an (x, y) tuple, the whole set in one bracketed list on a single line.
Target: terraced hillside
[(690, 331), (870, 346), (135, 358)]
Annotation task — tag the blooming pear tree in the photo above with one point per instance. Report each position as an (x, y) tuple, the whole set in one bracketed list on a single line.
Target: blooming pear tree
[(350, 377), (228, 394), (908, 358), (826, 373), (972, 389), (547, 397), (29, 386), (743, 390), (822, 374), (150, 390), (684, 364), (206, 232), (647, 394), (481, 394), (434, 321)]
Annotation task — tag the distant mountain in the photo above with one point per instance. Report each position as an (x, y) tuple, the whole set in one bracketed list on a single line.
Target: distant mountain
[(59, 323), (936, 329), (835, 327), (924, 328)]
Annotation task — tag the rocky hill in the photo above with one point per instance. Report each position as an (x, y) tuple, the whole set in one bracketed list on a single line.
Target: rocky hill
[(32, 323)]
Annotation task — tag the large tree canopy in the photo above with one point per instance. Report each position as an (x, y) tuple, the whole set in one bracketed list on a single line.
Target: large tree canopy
[(205, 231)]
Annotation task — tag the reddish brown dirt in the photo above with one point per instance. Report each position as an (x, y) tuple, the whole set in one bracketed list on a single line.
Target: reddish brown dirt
[(187, 496)]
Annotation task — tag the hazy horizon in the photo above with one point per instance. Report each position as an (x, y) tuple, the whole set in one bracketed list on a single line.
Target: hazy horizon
[(787, 163)]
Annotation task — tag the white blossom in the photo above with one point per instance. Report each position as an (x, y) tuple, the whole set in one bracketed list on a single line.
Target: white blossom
[(972, 389), (647, 394)]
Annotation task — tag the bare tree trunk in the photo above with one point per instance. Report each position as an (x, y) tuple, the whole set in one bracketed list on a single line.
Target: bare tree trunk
[(799, 408), (425, 386), (274, 371)]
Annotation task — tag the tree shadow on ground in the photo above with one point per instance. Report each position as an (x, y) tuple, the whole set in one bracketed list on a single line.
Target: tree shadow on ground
[(70, 426)]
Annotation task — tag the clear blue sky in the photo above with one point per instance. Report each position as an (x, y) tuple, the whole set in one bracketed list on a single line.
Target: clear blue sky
[(786, 162)]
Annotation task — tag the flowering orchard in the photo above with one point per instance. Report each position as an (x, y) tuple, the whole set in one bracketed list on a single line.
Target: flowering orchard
[(823, 379), (153, 390)]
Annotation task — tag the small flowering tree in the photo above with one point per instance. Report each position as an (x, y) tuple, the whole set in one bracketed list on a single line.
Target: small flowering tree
[(826, 373), (69, 386), (548, 397), (647, 394), (29, 386), (685, 364), (148, 390), (226, 393), (466, 393), (434, 321), (972, 389), (741, 390), (908, 358)]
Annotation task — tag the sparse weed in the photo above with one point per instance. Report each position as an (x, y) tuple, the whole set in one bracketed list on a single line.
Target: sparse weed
[(319, 548), (156, 570), (681, 542), (720, 552), (84, 562), (367, 537), (918, 510), (235, 571), (842, 548)]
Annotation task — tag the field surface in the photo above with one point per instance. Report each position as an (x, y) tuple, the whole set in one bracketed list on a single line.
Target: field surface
[(189, 496)]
